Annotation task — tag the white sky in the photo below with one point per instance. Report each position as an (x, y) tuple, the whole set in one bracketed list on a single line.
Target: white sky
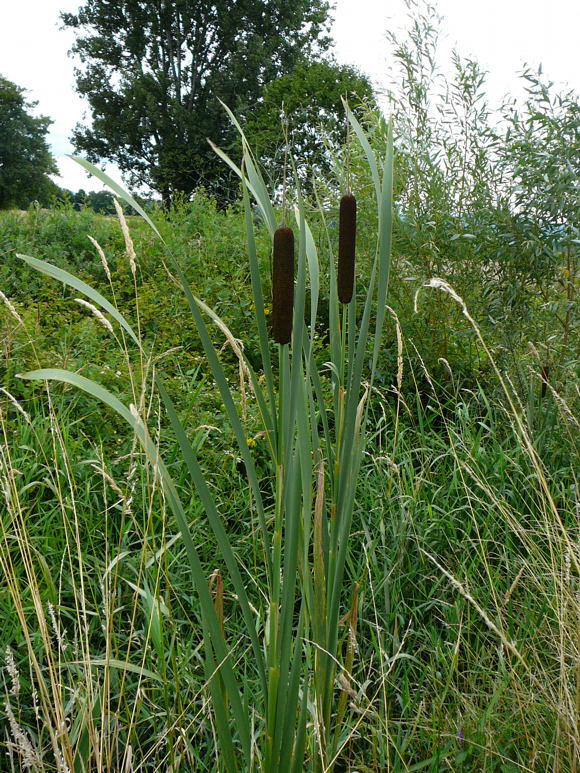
[(501, 34)]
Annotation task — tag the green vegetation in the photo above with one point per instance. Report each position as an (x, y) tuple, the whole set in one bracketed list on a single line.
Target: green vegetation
[(358, 552)]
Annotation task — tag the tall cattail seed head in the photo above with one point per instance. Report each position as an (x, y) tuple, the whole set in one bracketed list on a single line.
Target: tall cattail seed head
[(283, 285), (346, 247)]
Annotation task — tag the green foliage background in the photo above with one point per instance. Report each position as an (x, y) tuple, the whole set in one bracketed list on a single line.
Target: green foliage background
[(25, 159)]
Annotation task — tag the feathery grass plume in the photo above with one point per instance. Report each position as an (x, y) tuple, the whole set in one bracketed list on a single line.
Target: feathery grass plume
[(102, 256), (346, 247), (16, 404), (21, 743), (283, 285), (129, 248), (13, 673), (98, 314), (11, 308)]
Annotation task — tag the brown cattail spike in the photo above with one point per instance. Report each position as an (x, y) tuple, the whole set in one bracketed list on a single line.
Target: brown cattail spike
[(283, 285), (346, 247)]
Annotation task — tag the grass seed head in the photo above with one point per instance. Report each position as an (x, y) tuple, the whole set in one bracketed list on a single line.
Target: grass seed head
[(283, 285), (346, 247)]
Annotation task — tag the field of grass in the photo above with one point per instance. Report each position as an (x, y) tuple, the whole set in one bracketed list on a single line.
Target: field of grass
[(457, 644)]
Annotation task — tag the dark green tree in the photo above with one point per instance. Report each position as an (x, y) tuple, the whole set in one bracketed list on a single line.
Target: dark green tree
[(309, 99), (25, 160), (153, 72)]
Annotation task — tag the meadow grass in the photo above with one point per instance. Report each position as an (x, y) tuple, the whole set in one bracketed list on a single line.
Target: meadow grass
[(453, 642), (466, 643)]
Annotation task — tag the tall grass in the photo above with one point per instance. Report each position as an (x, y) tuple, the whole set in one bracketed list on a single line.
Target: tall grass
[(395, 581)]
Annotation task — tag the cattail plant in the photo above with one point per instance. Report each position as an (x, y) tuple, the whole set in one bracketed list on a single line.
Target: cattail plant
[(297, 674), (346, 247)]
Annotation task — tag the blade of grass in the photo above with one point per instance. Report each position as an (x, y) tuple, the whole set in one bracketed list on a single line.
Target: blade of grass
[(117, 189), (214, 519)]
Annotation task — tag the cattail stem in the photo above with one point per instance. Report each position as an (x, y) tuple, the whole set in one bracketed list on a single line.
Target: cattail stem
[(286, 144), (346, 247), (283, 285)]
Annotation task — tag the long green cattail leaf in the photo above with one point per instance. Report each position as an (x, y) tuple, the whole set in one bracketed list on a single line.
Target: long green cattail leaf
[(255, 180), (77, 284), (368, 151), (286, 642), (300, 739), (228, 401), (215, 522), (313, 273), (294, 726), (334, 311), (254, 187), (267, 418), (117, 189), (259, 310), (296, 374), (262, 198), (385, 239)]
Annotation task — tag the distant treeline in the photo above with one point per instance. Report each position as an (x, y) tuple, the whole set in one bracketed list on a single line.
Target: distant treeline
[(100, 202)]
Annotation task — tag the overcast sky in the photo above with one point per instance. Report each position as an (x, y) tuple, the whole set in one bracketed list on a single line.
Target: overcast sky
[(501, 34)]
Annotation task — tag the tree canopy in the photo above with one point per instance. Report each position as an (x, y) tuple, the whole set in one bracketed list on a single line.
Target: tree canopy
[(153, 73), (25, 160)]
